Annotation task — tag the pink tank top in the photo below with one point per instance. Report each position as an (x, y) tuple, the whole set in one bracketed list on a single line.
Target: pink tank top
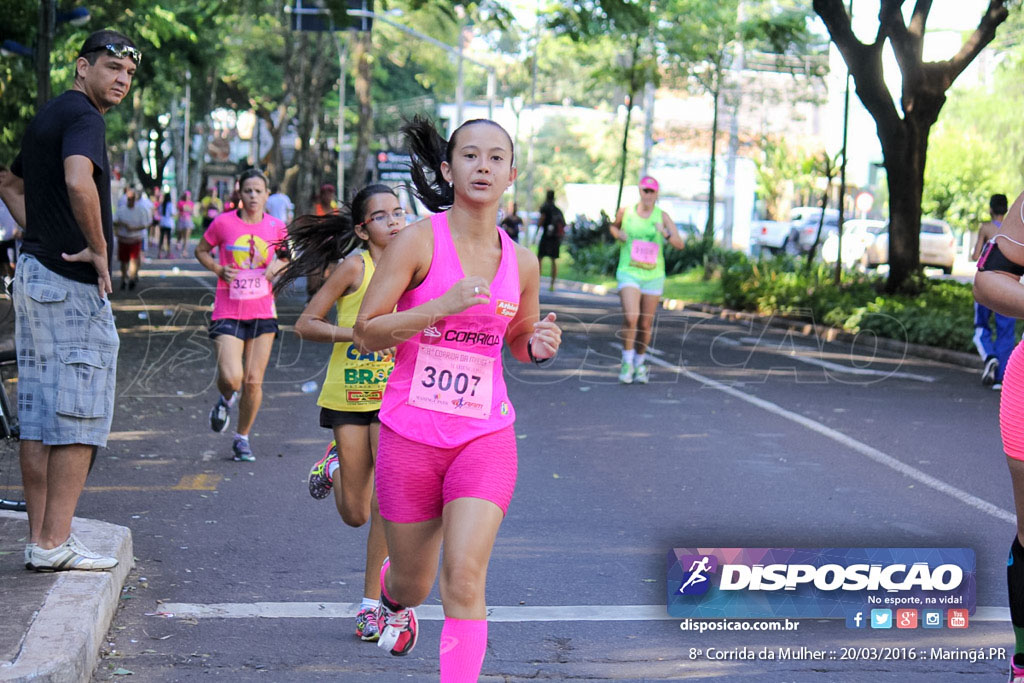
[(447, 387)]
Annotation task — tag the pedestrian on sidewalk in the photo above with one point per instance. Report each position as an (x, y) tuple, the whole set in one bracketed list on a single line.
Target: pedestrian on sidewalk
[(244, 321), (450, 292), (995, 352), (59, 189), (997, 286), (643, 230), (350, 400)]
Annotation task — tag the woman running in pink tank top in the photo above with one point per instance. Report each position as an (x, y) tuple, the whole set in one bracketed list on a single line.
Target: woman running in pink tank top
[(997, 286), (449, 292)]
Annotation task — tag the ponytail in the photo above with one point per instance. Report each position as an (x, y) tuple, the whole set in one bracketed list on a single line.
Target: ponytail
[(316, 242), (428, 149)]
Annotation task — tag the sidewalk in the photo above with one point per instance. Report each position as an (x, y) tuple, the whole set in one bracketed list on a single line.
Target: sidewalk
[(54, 623)]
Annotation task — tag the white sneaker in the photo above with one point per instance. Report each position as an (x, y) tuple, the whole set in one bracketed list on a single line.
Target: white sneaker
[(28, 555), (626, 374), (988, 375), (70, 554), (641, 374)]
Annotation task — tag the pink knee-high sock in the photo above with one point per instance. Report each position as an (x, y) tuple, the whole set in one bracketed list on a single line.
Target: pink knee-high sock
[(463, 645)]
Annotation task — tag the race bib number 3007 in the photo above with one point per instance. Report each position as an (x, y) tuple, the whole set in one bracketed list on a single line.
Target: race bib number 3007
[(452, 381)]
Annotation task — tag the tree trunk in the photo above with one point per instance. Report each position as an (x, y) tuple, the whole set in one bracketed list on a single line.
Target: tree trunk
[(310, 76), (904, 167), (709, 227), (362, 47), (634, 71)]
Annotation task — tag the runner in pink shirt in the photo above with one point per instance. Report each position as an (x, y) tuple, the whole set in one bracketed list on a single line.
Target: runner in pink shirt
[(446, 463), (244, 321)]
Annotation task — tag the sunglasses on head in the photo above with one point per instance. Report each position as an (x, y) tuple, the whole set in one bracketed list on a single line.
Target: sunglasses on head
[(118, 52)]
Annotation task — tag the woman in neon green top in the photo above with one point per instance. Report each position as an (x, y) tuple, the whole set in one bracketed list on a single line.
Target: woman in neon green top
[(643, 229)]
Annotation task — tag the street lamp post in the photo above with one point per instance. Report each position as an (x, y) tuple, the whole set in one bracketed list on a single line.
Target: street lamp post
[(48, 20), (44, 44)]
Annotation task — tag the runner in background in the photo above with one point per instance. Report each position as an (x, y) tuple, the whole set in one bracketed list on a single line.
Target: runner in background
[(355, 381), (643, 230), (446, 466), (244, 321), (994, 352), (167, 215), (186, 221)]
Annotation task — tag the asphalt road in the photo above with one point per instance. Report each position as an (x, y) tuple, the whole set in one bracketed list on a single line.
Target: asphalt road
[(745, 437)]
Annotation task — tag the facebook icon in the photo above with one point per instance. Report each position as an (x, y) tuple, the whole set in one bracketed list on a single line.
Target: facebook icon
[(855, 620)]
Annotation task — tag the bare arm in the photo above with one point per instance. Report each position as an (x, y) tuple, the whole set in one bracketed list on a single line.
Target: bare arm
[(984, 235), (404, 265), (616, 226), (313, 324), (12, 192), (671, 232), (85, 205), (205, 257), (1000, 291), (527, 325)]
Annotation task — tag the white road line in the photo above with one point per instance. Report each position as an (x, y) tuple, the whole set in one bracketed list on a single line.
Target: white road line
[(518, 614), (828, 365), (851, 443)]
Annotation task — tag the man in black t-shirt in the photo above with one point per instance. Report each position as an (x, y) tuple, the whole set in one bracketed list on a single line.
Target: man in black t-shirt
[(59, 189), (551, 223)]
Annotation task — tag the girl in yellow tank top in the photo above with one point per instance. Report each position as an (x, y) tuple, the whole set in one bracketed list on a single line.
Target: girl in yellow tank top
[(355, 382)]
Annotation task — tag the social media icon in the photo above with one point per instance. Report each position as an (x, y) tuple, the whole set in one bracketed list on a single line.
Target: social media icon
[(906, 618), (931, 618), (881, 618), (957, 618), (856, 620)]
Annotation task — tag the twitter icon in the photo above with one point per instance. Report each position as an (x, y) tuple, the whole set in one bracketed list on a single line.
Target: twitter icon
[(881, 618)]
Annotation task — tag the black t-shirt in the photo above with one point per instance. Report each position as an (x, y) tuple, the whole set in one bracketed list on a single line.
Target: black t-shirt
[(549, 220), (67, 125), (512, 224)]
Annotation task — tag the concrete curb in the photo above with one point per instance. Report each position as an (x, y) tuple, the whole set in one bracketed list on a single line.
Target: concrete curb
[(803, 328), (62, 643)]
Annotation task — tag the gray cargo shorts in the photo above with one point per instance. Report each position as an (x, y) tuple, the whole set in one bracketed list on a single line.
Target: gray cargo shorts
[(67, 357)]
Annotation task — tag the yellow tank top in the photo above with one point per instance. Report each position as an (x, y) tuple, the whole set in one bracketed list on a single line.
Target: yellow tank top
[(355, 382)]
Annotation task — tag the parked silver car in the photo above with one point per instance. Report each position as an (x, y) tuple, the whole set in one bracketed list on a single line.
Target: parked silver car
[(858, 235), (938, 246)]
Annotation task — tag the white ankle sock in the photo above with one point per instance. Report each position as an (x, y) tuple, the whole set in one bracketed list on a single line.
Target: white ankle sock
[(640, 359), (331, 469), (369, 602), (241, 437), (627, 356)]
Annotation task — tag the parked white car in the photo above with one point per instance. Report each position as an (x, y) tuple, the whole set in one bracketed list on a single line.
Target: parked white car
[(858, 235), (769, 235), (938, 246)]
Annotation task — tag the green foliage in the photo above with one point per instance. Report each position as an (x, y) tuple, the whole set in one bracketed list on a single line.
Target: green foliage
[(937, 312)]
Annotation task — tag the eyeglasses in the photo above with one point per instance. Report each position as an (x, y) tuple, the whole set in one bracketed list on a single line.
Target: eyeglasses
[(383, 218), (118, 52), (648, 190)]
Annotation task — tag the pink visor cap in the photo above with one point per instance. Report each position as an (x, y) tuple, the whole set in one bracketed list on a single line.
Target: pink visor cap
[(648, 183)]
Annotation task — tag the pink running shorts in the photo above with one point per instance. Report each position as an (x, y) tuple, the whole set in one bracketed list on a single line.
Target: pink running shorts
[(415, 481), (1011, 405)]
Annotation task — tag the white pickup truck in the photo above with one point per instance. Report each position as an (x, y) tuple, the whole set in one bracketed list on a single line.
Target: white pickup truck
[(780, 236)]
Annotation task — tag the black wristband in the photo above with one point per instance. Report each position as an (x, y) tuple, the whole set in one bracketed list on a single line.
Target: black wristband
[(537, 361)]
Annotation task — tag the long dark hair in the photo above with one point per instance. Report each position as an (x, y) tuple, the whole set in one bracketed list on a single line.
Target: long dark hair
[(428, 149), (318, 241)]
